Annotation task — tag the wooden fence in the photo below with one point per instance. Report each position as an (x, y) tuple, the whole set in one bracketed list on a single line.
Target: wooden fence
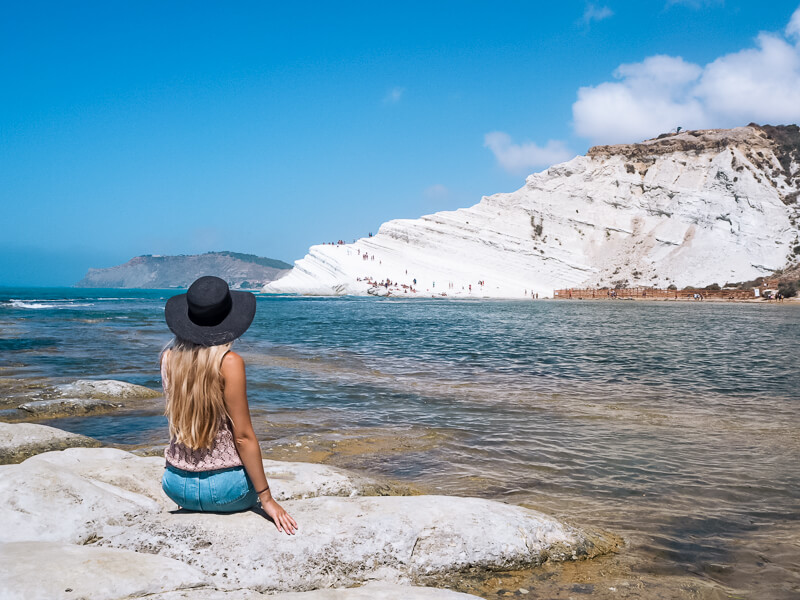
[(648, 293)]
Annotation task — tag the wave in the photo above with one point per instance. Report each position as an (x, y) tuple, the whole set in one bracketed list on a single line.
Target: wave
[(38, 305)]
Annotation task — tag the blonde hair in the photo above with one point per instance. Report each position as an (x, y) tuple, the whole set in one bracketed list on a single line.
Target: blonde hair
[(194, 391)]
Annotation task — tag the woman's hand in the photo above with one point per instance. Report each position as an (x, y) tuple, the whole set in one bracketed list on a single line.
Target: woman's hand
[(280, 517)]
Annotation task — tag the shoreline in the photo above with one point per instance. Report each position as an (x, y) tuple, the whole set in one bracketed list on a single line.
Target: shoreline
[(788, 301), (394, 294)]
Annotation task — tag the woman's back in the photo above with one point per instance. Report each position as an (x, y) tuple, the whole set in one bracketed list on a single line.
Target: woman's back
[(213, 460), (221, 455)]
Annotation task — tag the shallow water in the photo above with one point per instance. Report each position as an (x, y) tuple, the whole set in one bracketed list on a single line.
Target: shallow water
[(672, 425)]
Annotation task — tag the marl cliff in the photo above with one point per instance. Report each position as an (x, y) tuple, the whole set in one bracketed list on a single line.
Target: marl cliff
[(693, 208)]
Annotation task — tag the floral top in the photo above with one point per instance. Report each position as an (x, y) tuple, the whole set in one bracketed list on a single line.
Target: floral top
[(221, 455)]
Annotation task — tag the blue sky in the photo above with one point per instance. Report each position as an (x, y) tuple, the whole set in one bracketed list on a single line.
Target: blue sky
[(133, 128)]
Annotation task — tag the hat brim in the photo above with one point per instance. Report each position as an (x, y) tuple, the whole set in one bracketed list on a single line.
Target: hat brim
[(243, 310)]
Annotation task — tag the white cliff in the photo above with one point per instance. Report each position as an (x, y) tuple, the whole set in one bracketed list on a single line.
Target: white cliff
[(696, 208)]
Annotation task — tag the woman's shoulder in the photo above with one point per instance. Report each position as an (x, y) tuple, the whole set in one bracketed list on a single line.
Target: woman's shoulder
[(232, 361), (232, 369)]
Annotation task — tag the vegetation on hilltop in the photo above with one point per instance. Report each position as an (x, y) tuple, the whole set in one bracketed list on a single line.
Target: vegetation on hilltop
[(238, 269), (787, 143), (252, 258), (273, 263)]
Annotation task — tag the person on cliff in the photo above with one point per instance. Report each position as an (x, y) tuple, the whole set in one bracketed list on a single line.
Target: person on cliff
[(213, 458)]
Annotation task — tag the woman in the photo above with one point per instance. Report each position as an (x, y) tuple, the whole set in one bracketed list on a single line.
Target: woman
[(213, 459)]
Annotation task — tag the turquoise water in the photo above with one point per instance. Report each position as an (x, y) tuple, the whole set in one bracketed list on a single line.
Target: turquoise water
[(674, 425)]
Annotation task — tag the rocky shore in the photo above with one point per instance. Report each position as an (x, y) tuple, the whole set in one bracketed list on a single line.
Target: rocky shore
[(23, 400), (42, 399), (98, 518), (19, 441)]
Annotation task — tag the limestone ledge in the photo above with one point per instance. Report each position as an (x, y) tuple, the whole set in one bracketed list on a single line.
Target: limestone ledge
[(68, 406), (45, 399), (107, 574), (19, 441), (375, 590), (105, 388), (98, 518)]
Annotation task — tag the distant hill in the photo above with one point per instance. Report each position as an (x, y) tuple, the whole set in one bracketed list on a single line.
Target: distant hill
[(243, 271)]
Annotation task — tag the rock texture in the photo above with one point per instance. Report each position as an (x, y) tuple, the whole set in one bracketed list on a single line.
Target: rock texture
[(44, 398), (105, 388), (80, 397), (372, 591), (18, 441), (142, 475), (376, 591), (110, 574), (697, 208), (99, 499), (47, 571), (239, 270), (345, 541), (67, 406)]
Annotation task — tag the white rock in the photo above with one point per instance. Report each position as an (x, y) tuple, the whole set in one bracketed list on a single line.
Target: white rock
[(142, 475), (212, 593), (46, 571), (347, 541), (372, 591), (694, 209), (110, 498), (81, 494), (117, 468), (292, 480), (376, 591), (46, 502), (18, 441), (105, 388), (70, 406)]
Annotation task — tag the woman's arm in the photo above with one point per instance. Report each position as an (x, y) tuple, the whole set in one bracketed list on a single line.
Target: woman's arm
[(246, 442)]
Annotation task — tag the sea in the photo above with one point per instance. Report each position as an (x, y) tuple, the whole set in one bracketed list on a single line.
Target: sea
[(675, 426)]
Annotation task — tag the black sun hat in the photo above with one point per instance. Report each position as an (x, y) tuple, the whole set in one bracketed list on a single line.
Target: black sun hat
[(209, 313)]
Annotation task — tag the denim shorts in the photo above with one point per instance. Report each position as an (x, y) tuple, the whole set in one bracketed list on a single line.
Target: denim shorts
[(223, 490)]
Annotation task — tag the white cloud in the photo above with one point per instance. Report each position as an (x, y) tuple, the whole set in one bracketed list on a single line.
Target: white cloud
[(592, 12), (793, 28), (759, 84), (394, 95), (436, 191), (522, 158), (651, 98)]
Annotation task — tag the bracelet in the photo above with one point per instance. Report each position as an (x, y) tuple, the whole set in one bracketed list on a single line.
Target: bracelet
[(262, 491)]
